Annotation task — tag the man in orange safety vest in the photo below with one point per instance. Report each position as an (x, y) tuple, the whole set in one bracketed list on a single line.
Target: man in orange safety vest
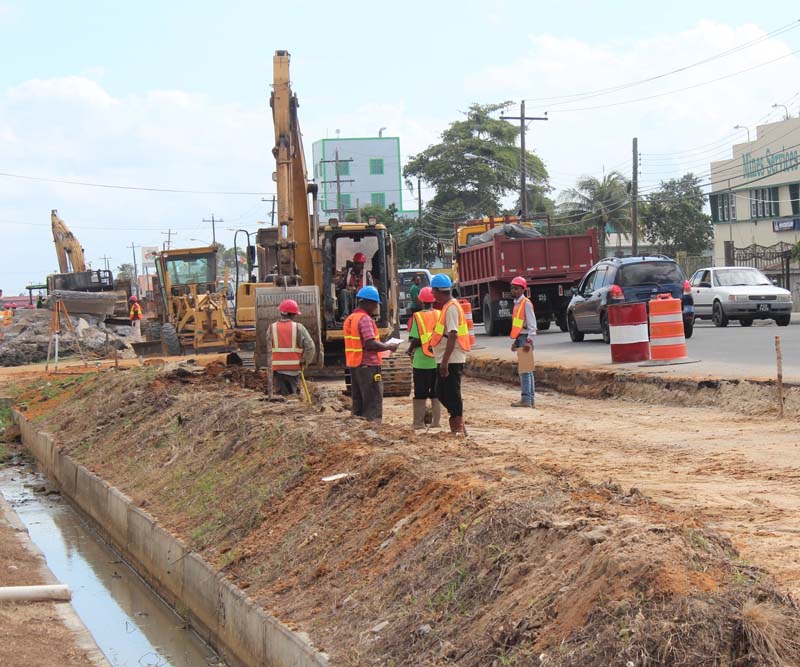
[(523, 331), (135, 317), (291, 347)]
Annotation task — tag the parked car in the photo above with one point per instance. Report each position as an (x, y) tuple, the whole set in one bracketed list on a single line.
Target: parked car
[(406, 278), (617, 280), (739, 293)]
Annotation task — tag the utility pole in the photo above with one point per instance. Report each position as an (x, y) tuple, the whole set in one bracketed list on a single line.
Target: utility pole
[(635, 199), (419, 223), (523, 167), (338, 181), (358, 210), (135, 270), (272, 215), (213, 222), (168, 243), (105, 260)]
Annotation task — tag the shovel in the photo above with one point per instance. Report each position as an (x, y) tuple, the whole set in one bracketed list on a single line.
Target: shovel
[(305, 386)]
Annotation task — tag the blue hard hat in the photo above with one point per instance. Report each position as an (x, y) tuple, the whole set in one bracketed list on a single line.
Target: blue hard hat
[(441, 281), (369, 293)]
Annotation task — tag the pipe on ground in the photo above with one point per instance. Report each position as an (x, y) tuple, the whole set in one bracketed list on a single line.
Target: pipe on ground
[(58, 592)]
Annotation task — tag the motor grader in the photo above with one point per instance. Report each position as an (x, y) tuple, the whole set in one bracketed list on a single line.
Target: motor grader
[(302, 260)]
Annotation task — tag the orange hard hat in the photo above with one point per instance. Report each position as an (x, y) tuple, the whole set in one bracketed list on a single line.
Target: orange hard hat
[(289, 307), (426, 295), (360, 257), (520, 282)]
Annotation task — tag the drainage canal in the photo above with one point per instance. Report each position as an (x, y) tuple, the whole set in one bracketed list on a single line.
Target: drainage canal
[(132, 626)]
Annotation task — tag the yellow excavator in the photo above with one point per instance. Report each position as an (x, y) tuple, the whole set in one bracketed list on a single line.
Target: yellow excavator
[(302, 260)]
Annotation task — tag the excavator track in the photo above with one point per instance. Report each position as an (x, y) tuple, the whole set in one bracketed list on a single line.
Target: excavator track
[(397, 375)]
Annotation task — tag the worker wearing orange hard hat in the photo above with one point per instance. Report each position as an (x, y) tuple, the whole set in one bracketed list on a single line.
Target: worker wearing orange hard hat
[(523, 332), (423, 362), (135, 316), (291, 348)]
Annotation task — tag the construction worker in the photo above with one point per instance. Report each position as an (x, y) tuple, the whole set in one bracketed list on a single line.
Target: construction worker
[(291, 347), (355, 277), (8, 315), (523, 331), (135, 316), (413, 294), (40, 302), (450, 343), (362, 350), (423, 361)]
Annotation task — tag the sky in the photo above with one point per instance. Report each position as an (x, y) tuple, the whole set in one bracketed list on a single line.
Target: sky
[(175, 96)]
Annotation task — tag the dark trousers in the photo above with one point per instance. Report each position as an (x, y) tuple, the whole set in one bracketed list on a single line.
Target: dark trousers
[(285, 385), (448, 390), (425, 383), (367, 392)]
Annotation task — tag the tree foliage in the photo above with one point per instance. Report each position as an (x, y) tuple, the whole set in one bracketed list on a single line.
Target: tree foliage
[(125, 271), (672, 217), (602, 203)]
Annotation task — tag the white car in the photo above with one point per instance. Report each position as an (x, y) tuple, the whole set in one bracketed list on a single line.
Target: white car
[(739, 293)]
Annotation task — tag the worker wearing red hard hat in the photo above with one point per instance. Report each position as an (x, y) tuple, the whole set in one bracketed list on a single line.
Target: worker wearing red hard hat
[(354, 276), (135, 315), (523, 332), (291, 347), (422, 360)]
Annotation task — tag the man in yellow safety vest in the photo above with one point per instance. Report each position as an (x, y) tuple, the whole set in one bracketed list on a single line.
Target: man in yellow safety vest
[(422, 360), (523, 331)]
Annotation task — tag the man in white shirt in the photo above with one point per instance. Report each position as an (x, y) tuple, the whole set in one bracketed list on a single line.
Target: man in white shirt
[(523, 331)]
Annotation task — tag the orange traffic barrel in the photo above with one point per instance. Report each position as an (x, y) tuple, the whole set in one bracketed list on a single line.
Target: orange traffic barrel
[(467, 308), (667, 339), (627, 326)]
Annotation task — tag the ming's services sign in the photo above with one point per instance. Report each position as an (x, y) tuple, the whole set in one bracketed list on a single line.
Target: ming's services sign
[(149, 255)]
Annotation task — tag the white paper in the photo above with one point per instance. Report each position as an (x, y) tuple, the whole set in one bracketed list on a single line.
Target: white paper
[(391, 341)]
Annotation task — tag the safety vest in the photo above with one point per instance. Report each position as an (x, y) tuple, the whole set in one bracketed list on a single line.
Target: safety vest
[(286, 349), (426, 321), (136, 312), (357, 281), (353, 347), (462, 333), (8, 317), (518, 317)]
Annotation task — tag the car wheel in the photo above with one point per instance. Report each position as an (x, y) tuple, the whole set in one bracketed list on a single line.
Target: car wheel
[(572, 326), (489, 322), (718, 315), (783, 320), (745, 322), (688, 328), (604, 329), (543, 325), (562, 323)]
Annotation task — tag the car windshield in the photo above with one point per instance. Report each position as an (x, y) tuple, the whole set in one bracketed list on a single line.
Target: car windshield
[(739, 277), (643, 273)]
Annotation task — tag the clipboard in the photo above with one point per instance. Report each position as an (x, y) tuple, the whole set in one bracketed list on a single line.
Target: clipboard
[(525, 360)]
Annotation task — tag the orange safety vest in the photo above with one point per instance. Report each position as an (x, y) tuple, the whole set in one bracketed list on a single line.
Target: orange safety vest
[(353, 346), (8, 317), (426, 321), (286, 349), (462, 331), (136, 312), (518, 317)]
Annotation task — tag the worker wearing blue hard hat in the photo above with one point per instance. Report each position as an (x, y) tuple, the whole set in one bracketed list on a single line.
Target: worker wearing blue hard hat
[(362, 353), (441, 281)]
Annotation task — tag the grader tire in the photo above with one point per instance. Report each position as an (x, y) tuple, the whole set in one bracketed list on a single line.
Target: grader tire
[(170, 337)]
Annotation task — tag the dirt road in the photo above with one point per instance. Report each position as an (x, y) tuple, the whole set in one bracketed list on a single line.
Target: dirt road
[(739, 474)]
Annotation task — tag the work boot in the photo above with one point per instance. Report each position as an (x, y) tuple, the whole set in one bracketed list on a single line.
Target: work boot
[(419, 413), (521, 404), (457, 425), (436, 409)]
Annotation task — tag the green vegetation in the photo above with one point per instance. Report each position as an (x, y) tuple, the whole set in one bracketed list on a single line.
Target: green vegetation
[(672, 217)]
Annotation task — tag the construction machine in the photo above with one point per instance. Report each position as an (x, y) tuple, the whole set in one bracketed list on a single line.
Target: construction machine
[(301, 260)]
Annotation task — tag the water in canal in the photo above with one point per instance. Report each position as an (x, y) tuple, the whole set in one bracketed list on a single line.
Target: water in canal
[(130, 623)]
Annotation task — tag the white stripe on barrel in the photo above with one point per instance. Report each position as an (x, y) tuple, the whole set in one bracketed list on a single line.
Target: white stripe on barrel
[(627, 327)]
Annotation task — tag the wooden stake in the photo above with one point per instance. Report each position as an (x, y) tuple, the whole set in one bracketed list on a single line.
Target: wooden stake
[(780, 375)]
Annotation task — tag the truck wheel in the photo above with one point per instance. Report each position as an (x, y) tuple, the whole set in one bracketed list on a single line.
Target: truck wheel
[(543, 325), (575, 335), (170, 337), (489, 321), (561, 321)]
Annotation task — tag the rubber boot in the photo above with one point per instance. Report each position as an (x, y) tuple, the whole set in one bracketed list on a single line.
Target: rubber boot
[(419, 413), (436, 409), (457, 425)]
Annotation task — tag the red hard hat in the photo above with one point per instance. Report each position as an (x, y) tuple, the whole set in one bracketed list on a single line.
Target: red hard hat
[(426, 295), (133, 298), (519, 280), (289, 307), (360, 257)]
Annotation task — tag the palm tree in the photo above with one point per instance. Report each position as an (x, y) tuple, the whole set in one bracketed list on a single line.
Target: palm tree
[(599, 203)]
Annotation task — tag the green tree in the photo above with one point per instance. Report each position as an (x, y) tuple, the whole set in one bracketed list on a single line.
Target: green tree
[(472, 187), (125, 271), (226, 258), (672, 217), (602, 203)]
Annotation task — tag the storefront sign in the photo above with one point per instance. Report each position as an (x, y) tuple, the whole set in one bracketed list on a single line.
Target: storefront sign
[(754, 166), (786, 225)]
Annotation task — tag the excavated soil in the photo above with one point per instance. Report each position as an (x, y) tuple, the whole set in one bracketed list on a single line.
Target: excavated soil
[(395, 548)]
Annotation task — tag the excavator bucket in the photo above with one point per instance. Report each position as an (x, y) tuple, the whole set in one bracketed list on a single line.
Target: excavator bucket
[(267, 301)]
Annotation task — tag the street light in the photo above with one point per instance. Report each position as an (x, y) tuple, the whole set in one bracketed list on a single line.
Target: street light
[(201, 241), (785, 110), (746, 129), (380, 132)]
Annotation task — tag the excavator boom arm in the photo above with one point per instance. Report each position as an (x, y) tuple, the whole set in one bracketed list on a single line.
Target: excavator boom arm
[(68, 250)]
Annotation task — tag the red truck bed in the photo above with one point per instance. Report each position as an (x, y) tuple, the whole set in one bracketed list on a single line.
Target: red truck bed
[(542, 259)]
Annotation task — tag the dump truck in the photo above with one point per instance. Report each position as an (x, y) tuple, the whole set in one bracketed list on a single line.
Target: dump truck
[(301, 259), (490, 252)]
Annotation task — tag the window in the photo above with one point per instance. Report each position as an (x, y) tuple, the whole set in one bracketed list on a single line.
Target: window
[(376, 166), (649, 273), (344, 167), (611, 273), (794, 196), (739, 277), (378, 199), (726, 207), (588, 284), (345, 202), (316, 170), (763, 202)]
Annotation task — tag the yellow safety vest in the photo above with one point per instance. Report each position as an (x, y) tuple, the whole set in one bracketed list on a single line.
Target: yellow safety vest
[(462, 333), (518, 317), (426, 321)]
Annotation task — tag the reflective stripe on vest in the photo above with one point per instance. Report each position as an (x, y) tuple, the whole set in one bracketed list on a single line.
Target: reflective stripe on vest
[(362, 279), (518, 318), (426, 321), (286, 349), (136, 312), (353, 347), (462, 333)]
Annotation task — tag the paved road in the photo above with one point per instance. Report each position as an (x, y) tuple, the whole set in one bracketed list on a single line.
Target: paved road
[(734, 351)]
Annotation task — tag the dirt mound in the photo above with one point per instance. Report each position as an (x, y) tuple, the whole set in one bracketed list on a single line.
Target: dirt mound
[(394, 548), (26, 341)]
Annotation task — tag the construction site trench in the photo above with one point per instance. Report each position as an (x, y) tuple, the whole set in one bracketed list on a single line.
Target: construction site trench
[(587, 532)]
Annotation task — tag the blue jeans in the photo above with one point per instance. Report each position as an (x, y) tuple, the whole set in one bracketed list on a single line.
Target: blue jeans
[(526, 382)]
